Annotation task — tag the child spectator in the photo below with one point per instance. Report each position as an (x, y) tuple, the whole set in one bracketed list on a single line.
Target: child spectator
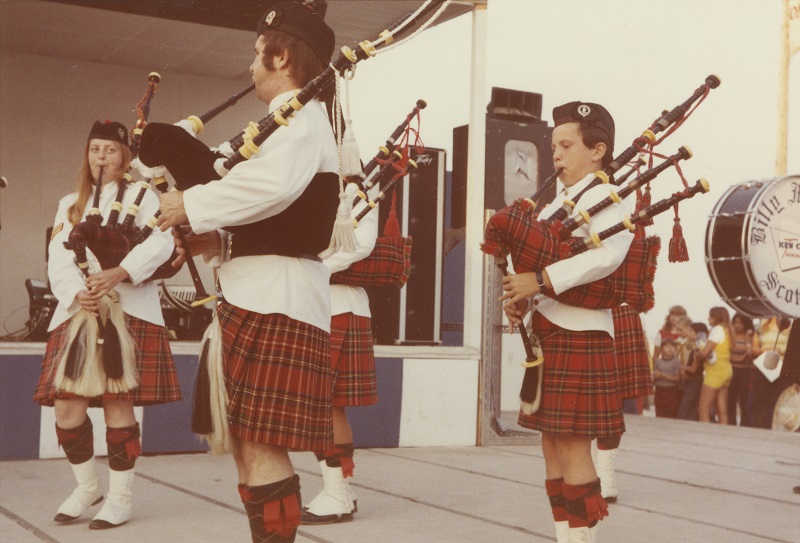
[(692, 373), (666, 376)]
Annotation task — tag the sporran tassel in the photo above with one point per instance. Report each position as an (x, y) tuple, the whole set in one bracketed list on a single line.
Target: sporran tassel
[(119, 350), (76, 355), (79, 369), (219, 438), (531, 393), (201, 405)]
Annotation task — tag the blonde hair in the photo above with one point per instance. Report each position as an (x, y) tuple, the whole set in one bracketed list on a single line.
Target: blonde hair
[(720, 316), (85, 181), (683, 320)]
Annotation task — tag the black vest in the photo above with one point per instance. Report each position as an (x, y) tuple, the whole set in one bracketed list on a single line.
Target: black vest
[(301, 230)]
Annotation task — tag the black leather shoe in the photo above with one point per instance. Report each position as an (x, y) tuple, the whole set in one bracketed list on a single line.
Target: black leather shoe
[(64, 518), (99, 524), (307, 518)]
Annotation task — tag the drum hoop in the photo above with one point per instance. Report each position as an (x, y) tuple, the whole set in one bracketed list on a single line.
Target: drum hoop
[(744, 246)]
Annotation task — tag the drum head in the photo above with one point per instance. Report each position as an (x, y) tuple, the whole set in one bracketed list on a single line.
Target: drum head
[(753, 247)]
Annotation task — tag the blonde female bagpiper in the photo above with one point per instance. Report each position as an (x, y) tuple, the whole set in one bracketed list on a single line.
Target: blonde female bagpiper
[(73, 378)]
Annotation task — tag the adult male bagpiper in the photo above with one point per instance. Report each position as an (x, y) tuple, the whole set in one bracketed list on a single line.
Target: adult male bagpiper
[(579, 398), (275, 318)]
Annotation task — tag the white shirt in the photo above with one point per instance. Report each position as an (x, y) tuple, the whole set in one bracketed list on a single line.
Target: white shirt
[(263, 187), (590, 265), (345, 298), (137, 298)]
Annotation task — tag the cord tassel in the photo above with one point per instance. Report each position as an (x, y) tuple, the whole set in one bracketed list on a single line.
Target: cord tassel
[(343, 237), (677, 245), (351, 157), (392, 226)]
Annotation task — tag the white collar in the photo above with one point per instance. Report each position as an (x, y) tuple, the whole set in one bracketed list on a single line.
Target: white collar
[(577, 187)]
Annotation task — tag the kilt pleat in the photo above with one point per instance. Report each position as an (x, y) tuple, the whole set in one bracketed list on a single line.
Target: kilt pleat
[(353, 361), (158, 380), (278, 378), (579, 384), (630, 354)]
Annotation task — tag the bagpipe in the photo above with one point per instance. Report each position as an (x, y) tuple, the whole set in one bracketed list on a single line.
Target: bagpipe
[(191, 163), (533, 244), (389, 263), (100, 354)]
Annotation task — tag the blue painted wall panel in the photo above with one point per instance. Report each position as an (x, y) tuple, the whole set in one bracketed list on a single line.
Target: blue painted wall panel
[(379, 425), (19, 416), (168, 427)]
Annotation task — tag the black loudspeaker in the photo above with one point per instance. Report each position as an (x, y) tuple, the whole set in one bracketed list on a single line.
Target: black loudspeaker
[(41, 305), (518, 154), (413, 314)]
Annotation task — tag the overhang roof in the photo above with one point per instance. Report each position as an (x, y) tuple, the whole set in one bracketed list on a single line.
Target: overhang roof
[(202, 37)]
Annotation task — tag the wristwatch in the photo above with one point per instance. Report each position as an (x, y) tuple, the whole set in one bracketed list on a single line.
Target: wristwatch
[(540, 281)]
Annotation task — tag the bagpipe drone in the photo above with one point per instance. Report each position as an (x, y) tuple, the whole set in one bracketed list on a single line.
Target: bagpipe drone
[(533, 245), (389, 263)]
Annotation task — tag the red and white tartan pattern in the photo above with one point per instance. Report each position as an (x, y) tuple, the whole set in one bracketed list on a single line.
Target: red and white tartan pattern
[(158, 380), (630, 354), (278, 378), (631, 283), (109, 245), (579, 384), (389, 263), (353, 361), (514, 231), (533, 246)]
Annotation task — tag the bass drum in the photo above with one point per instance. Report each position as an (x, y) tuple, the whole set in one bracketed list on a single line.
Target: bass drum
[(753, 247)]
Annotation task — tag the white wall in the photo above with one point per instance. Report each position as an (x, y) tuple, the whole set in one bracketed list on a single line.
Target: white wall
[(47, 106)]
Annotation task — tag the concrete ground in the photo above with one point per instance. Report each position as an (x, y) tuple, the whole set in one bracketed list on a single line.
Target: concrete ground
[(679, 482)]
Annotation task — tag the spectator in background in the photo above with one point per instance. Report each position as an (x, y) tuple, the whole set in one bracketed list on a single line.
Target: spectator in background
[(666, 376), (669, 329), (773, 335), (696, 336), (742, 363), (716, 358)]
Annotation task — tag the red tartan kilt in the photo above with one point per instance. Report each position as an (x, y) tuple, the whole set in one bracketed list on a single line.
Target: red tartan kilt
[(353, 361), (278, 378), (630, 354), (389, 263), (533, 246), (579, 384), (158, 380)]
